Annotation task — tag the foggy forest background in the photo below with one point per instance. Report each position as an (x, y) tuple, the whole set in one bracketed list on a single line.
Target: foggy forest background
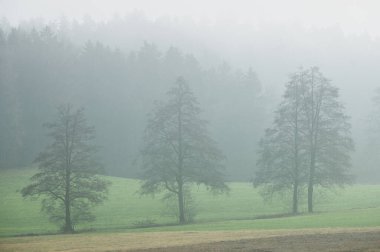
[(116, 69)]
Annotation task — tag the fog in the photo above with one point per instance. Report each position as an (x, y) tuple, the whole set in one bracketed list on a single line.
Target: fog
[(236, 56), (353, 16)]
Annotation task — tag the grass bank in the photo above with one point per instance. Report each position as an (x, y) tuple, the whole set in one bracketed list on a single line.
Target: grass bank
[(354, 206)]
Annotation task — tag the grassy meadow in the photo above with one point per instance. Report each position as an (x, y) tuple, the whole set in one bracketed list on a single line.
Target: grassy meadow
[(242, 208)]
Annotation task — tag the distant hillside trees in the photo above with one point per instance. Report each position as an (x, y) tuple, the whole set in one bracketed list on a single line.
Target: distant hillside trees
[(178, 150), (40, 68), (67, 179), (310, 142)]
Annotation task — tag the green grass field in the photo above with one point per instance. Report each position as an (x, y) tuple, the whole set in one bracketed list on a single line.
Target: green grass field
[(354, 206)]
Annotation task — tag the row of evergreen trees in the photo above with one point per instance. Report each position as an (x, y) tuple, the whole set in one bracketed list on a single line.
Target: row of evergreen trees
[(39, 70)]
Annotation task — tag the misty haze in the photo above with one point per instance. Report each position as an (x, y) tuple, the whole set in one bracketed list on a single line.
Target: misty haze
[(189, 126)]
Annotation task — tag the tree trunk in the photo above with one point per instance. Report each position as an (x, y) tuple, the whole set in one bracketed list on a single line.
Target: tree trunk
[(310, 188), (181, 205), (295, 185), (313, 145), (68, 228), (310, 197), (295, 198), (68, 225)]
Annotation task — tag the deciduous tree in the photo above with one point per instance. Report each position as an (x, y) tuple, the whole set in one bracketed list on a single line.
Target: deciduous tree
[(68, 178), (329, 134), (282, 149), (310, 142), (178, 150)]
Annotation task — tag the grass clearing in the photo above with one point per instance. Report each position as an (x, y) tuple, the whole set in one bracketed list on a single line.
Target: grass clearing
[(354, 206)]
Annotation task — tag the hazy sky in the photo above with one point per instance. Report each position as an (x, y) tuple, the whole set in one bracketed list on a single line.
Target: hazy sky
[(353, 16)]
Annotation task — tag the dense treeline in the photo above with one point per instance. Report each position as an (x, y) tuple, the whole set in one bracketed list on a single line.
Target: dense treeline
[(90, 63), (308, 146), (39, 69)]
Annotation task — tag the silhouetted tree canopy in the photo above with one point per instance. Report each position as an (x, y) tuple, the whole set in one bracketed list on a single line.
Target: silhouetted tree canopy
[(178, 150), (310, 142), (68, 180)]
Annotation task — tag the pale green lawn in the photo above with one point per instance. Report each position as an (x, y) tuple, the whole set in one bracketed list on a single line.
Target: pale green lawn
[(355, 206)]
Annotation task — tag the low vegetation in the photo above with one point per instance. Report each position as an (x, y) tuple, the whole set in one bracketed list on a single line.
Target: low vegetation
[(242, 208)]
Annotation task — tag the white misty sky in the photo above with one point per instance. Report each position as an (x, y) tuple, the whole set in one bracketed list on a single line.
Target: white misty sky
[(354, 16)]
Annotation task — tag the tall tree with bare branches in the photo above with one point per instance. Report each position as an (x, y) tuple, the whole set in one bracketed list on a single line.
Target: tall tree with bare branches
[(282, 150), (178, 150), (68, 178), (328, 132), (310, 142)]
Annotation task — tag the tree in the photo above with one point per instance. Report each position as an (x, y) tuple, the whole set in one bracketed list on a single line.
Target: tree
[(310, 142), (371, 154), (67, 177), (328, 131), (178, 150), (281, 153)]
